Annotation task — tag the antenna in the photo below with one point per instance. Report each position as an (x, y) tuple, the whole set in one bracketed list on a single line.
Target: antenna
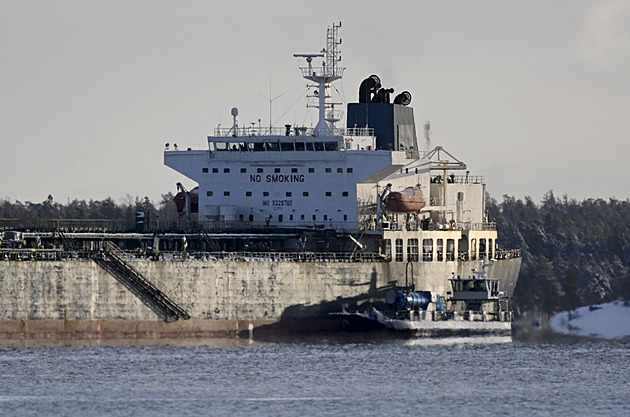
[(270, 100)]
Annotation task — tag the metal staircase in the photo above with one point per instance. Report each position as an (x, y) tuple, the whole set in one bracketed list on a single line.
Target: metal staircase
[(68, 244), (111, 259)]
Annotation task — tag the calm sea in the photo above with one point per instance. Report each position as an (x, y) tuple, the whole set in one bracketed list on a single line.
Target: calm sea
[(392, 378)]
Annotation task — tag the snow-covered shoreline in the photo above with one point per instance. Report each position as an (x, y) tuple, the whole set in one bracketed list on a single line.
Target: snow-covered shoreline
[(604, 321)]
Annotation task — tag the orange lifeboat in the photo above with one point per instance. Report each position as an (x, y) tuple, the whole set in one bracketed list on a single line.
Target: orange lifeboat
[(409, 200), (180, 200)]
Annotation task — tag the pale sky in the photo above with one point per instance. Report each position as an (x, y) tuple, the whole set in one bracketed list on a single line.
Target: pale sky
[(533, 95)]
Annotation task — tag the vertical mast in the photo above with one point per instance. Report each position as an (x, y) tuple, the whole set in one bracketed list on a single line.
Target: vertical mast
[(329, 71)]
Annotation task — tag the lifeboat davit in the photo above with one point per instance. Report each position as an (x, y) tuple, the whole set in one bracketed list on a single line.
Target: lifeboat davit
[(409, 200)]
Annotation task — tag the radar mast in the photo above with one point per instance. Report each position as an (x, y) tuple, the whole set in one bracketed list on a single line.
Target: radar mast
[(329, 71)]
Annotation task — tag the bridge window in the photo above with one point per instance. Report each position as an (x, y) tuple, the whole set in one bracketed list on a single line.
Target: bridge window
[(450, 249), (331, 146), (439, 250), (273, 146), (462, 248), (412, 250), (319, 146), (221, 146), (387, 248), (399, 250), (427, 250), (286, 146), (473, 249), (482, 248), (257, 146), (310, 146), (489, 248), (299, 146)]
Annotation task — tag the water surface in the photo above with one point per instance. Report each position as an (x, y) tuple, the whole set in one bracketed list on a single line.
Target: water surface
[(394, 378)]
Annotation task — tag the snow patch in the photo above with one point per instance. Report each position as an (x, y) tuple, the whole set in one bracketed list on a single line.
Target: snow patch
[(605, 321)]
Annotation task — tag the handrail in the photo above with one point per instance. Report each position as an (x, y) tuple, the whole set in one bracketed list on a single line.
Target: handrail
[(430, 226), (457, 179), (61, 254), (228, 134), (158, 226), (192, 226)]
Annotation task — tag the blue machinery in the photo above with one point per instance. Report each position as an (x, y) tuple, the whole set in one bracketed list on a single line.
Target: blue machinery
[(400, 300)]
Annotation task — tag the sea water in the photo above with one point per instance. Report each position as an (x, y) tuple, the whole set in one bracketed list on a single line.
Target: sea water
[(433, 377)]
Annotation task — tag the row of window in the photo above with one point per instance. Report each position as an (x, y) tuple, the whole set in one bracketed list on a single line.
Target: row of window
[(302, 217), (450, 252), (274, 146), (266, 193), (276, 170)]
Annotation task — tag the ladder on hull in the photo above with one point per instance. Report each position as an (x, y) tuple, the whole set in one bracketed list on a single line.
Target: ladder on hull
[(111, 260)]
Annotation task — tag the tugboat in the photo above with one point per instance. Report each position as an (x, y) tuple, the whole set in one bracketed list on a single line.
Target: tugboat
[(475, 306)]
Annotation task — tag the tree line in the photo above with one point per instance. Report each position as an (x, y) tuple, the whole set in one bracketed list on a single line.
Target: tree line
[(575, 253), (106, 209)]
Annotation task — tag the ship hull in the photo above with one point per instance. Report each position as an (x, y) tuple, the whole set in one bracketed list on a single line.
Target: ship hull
[(225, 295)]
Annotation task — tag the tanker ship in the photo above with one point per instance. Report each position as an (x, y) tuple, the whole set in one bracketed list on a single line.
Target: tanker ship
[(286, 225)]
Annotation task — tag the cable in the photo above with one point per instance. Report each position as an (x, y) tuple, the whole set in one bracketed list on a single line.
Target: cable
[(292, 105)]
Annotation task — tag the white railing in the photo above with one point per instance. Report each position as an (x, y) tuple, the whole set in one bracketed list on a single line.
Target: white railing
[(319, 72), (293, 131), (458, 179)]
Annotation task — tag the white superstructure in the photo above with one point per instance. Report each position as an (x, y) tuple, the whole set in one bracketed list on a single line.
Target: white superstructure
[(330, 178), (296, 177)]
